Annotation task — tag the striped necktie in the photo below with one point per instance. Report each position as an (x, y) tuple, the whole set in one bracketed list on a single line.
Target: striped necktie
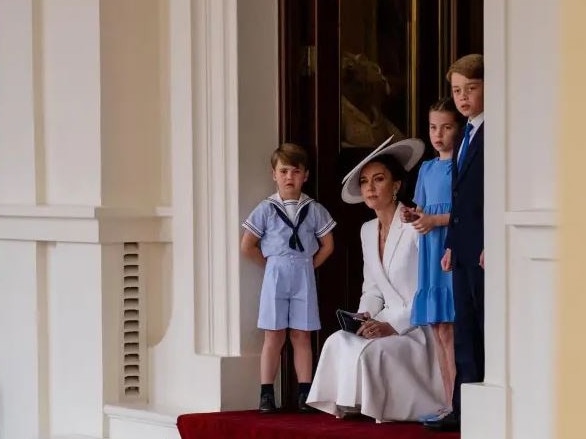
[(465, 145)]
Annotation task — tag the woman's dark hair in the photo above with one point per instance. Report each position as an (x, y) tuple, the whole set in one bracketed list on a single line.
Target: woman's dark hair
[(397, 171)]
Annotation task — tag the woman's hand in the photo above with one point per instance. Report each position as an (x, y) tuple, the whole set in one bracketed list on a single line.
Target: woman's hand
[(424, 223), (375, 329)]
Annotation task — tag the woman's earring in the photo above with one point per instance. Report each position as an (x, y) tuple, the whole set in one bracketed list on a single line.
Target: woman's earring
[(395, 196)]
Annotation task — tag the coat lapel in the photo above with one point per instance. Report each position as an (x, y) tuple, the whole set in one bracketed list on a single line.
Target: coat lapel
[(392, 241), (392, 297)]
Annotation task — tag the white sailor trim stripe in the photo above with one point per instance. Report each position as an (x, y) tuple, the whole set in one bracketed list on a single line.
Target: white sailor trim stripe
[(277, 204), (301, 204), (326, 229), (248, 226), (277, 201)]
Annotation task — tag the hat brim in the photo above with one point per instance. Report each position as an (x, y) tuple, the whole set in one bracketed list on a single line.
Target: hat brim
[(407, 152)]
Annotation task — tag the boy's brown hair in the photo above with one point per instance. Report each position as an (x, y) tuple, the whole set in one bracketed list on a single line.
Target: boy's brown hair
[(290, 154), (471, 66)]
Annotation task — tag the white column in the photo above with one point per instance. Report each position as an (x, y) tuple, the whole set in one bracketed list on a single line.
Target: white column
[(236, 117), (223, 128), (215, 171), (258, 137), (520, 96)]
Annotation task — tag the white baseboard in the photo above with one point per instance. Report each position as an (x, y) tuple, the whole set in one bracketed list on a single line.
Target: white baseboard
[(75, 436), (484, 412), (132, 423)]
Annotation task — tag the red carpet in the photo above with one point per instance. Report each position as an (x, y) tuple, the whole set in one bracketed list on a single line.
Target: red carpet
[(251, 424)]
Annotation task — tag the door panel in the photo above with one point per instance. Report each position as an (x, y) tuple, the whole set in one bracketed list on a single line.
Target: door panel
[(327, 48)]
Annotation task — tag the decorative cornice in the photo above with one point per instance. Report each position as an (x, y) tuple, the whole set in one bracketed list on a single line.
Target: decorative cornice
[(532, 218), (84, 224)]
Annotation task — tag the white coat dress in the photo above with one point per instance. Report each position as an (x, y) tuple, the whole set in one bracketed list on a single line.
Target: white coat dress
[(394, 378)]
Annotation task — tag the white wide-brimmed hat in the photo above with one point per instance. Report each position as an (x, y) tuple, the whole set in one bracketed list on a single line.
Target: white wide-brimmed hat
[(407, 152)]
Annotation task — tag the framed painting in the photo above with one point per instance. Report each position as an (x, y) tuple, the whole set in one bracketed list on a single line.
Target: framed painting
[(378, 77)]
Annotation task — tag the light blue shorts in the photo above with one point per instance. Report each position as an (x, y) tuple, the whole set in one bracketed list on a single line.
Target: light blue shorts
[(288, 298)]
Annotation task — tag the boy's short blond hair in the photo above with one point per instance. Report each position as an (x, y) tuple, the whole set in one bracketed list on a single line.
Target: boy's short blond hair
[(290, 154), (471, 66)]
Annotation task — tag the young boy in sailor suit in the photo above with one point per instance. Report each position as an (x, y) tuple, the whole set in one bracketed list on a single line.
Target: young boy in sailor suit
[(281, 234)]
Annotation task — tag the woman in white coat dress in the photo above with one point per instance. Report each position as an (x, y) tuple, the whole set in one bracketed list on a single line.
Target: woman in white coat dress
[(388, 369)]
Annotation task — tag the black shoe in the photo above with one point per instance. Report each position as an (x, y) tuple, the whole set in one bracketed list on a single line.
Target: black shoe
[(450, 423), (267, 403), (302, 406)]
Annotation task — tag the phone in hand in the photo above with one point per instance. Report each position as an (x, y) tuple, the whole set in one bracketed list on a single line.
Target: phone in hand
[(350, 321), (359, 318)]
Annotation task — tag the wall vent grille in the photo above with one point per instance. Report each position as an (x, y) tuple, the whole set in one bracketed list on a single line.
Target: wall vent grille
[(132, 333)]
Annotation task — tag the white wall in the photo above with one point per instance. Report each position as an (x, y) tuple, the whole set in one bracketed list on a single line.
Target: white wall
[(67, 203), (69, 100), (75, 339), (17, 124), (521, 41), (532, 102), (258, 109), (133, 103), (210, 113), (219, 126), (21, 380)]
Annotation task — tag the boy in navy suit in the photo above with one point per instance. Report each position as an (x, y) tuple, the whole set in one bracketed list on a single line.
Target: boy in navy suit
[(464, 245)]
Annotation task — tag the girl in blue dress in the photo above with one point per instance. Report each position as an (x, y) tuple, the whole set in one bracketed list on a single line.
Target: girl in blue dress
[(434, 303)]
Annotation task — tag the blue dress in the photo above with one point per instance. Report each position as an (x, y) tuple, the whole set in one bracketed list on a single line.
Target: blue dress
[(434, 300)]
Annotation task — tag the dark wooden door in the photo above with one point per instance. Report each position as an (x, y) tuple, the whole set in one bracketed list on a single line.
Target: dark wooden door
[(409, 42)]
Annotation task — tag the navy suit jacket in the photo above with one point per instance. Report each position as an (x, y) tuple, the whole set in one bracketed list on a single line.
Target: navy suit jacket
[(466, 228)]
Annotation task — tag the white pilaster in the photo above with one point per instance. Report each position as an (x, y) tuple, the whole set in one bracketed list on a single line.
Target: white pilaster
[(223, 104), (495, 199), (258, 93), (17, 120), (236, 119), (133, 102), (215, 170), (532, 308), (71, 101), (520, 220), (22, 369), (83, 163), (75, 347)]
